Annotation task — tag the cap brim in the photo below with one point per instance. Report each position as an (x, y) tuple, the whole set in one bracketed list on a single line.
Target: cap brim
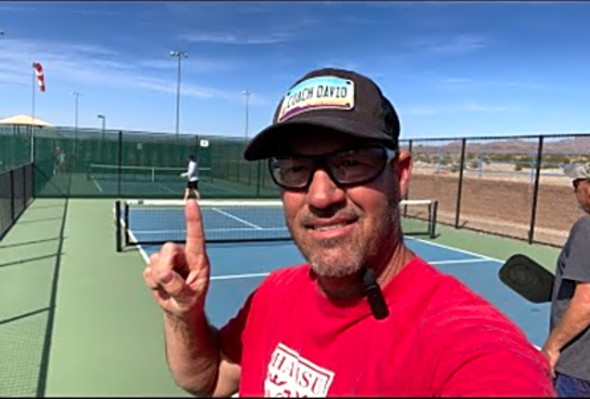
[(267, 143)]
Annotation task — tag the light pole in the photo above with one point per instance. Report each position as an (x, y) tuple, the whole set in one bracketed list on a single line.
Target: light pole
[(76, 94), (246, 93), (104, 118), (180, 55), (104, 121)]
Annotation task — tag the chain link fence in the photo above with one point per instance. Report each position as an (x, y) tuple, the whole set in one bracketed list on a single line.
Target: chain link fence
[(512, 185)]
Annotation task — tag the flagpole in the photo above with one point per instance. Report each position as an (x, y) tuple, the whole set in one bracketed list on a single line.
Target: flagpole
[(34, 81), (33, 116)]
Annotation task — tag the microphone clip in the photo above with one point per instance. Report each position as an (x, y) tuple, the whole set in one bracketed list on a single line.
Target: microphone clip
[(374, 294)]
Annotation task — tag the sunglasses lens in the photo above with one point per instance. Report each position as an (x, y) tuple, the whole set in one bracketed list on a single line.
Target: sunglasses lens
[(291, 172), (356, 166), (347, 167)]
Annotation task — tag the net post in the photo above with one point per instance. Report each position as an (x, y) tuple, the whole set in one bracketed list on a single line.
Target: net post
[(118, 225), (126, 219), (434, 206)]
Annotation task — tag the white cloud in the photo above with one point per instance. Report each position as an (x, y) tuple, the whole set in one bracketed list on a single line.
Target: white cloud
[(188, 64), (80, 64), (473, 83), (235, 39), (459, 108), (458, 44)]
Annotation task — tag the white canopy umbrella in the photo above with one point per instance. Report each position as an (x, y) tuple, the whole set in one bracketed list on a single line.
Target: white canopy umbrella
[(24, 120)]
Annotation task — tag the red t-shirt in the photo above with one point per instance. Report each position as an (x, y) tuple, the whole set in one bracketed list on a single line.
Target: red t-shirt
[(440, 338)]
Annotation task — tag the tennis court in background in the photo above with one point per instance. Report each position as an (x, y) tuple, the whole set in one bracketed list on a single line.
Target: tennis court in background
[(88, 326), (108, 178)]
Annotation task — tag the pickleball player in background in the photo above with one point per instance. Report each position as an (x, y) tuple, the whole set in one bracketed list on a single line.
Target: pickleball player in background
[(568, 346), (365, 316), (192, 177)]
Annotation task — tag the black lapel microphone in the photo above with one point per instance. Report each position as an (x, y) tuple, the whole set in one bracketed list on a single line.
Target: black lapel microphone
[(374, 294)]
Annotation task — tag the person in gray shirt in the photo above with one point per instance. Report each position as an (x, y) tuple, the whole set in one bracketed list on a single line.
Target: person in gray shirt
[(568, 346)]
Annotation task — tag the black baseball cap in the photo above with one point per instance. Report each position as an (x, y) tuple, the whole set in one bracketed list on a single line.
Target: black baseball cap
[(335, 99)]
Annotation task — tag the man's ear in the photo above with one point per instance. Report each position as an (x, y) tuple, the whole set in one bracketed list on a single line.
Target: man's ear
[(403, 171)]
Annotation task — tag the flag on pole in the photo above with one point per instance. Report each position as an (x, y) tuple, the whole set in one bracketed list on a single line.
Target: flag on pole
[(40, 75)]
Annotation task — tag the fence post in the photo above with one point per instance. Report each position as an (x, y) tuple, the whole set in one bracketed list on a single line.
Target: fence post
[(536, 190), (11, 174), (258, 177), (119, 163), (460, 187)]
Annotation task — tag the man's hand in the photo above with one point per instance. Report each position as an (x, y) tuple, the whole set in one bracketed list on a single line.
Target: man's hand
[(179, 274), (552, 357)]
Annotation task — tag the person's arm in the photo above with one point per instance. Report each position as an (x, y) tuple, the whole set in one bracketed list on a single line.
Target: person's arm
[(575, 320), (179, 278), (195, 359), (577, 315), (190, 169)]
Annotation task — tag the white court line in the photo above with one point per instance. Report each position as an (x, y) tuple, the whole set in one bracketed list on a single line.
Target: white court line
[(237, 276), (458, 261), (463, 251), (229, 215), (179, 231), (250, 275), (166, 187), (96, 184)]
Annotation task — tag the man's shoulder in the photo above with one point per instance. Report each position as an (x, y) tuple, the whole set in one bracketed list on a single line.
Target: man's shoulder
[(456, 307), (582, 224)]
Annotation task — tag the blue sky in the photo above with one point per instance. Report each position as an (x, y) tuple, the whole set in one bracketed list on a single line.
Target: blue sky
[(449, 68)]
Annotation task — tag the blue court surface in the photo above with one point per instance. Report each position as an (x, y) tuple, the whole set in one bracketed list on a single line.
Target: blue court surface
[(238, 268)]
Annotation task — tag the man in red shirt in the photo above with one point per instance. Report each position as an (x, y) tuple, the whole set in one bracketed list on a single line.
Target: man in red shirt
[(365, 316)]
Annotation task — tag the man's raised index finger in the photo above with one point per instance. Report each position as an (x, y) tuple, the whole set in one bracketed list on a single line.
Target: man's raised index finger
[(195, 236)]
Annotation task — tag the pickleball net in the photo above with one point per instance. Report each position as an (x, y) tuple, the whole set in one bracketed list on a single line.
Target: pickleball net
[(154, 222), (140, 173)]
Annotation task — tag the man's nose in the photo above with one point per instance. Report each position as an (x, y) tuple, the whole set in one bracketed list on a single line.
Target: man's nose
[(323, 192)]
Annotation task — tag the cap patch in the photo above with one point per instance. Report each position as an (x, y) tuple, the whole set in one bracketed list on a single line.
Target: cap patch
[(324, 92)]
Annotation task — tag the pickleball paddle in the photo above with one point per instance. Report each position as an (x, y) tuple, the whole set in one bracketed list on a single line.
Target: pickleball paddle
[(528, 278)]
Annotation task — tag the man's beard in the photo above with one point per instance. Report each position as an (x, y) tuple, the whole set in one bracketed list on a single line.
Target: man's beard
[(346, 256)]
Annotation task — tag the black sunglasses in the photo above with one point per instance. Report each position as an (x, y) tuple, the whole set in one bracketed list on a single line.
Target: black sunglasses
[(346, 168)]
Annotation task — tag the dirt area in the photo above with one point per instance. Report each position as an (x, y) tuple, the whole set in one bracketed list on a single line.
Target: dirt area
[(498, 205)]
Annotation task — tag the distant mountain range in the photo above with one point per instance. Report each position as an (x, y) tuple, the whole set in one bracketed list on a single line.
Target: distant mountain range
[(573, 145)]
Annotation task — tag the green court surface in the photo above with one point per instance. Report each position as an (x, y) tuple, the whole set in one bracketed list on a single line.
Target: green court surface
[(76, 318)]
